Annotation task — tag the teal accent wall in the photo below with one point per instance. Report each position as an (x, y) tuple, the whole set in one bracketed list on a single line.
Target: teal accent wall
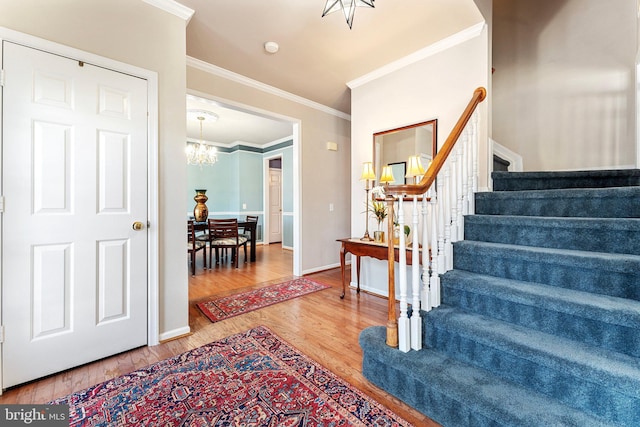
[(221, 182), (287, 231), (287, 184), (238, 177), (250, 181)]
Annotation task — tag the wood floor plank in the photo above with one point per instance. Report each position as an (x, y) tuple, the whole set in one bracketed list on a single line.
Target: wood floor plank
[(320, 324)]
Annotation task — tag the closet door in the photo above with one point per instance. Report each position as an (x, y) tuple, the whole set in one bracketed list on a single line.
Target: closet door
[(74, 176)]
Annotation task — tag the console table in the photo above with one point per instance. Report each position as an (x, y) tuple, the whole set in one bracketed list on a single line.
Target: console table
[(359, 248)]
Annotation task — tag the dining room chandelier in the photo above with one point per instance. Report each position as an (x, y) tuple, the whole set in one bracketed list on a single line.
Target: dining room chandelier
[(348, 8), (200, 153)]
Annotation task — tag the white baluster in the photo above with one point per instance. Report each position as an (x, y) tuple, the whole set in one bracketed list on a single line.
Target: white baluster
[(440, 206), (448, 248), (470, 194), (426, 260), (416, 285), (474, 145), (459, 192), (465, 175), (434, 280), (453, 193), (404, 332)]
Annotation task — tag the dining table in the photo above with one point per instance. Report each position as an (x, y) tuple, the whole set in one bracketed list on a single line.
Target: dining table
[(249, 226)]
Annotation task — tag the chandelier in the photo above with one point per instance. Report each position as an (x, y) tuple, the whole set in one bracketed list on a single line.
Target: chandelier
[(201, 153), (348, 8)]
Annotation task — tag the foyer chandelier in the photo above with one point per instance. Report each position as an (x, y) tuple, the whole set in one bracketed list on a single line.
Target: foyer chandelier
[(348, 8), (200, 153)]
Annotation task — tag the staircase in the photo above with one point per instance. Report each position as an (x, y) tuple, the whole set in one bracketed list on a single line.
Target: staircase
[(540, 317)]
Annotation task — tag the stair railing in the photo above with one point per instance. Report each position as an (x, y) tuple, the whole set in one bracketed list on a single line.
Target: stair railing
[(443, 207)]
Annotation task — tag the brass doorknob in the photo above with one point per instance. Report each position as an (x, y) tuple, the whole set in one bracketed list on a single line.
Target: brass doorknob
[(137, 225)]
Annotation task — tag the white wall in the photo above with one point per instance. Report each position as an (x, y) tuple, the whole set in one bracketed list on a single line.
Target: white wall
[(138, 34), (438, 87), (564, 88)]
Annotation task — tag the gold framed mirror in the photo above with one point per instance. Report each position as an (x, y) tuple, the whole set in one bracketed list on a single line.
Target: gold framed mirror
[(393, 147)]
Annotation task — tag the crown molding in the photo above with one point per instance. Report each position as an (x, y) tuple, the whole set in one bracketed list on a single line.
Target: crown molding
[(238, 78), (439, 46), (174, 8)]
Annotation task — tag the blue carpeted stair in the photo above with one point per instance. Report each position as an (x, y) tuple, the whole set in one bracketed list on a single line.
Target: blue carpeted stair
[(540, 322)]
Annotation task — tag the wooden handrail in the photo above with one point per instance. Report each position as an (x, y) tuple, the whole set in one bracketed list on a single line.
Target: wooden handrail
[(430, 175), (393, 191)]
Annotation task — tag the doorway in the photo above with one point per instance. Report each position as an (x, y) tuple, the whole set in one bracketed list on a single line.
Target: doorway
[(273, 200), (247, 151)]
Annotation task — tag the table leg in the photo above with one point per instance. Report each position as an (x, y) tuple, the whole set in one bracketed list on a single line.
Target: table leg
[(358, 273), (252, 251), (342, 255)]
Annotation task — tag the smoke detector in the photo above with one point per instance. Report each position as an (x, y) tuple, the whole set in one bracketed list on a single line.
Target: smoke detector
[(271, 47)]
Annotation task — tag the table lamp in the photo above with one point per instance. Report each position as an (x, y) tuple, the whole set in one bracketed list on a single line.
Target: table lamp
[(368, 174), (415, 169), (387, 175)]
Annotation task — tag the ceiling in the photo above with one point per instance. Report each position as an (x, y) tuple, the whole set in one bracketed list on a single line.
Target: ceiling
[(233, 126), (318, 56)]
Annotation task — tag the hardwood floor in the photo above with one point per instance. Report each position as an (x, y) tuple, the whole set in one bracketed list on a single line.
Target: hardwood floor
[(320, 325)]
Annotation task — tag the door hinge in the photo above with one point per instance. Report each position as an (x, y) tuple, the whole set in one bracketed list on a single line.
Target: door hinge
[(1, 334), (2, 78), (1, 204)]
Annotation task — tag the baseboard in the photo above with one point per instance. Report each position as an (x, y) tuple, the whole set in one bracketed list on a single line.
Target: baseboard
[(176, 333), (323, 268)]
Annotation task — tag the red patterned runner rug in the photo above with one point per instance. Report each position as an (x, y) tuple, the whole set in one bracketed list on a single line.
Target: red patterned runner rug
[(233, 305), (249, 379)]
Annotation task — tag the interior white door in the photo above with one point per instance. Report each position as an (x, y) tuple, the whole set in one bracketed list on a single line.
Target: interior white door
[(275, 205), (74, 175)]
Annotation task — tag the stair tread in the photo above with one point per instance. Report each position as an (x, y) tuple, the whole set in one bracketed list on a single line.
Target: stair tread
[(568, 174), (605, 308), (495, 398), (593, 364), (624, 262), (563, 193), (559, 221)]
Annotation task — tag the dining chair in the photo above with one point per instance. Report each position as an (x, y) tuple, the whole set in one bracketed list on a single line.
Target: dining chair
[(245, 231), (193, 246), (224, 234)]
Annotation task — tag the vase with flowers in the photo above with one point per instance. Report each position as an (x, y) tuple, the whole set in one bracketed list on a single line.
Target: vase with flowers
[(379, 212)]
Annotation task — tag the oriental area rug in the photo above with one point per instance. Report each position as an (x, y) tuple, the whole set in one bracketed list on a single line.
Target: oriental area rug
[(249, 379), (233, 305)]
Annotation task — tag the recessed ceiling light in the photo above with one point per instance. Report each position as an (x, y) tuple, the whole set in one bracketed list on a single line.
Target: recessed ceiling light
[(271, 47)]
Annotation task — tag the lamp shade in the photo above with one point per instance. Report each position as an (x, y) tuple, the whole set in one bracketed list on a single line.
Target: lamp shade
[(367, 171), (387, 175), (415, 167)]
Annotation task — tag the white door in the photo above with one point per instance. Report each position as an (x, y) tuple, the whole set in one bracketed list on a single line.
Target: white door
[(275, 205), (74, 175)]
